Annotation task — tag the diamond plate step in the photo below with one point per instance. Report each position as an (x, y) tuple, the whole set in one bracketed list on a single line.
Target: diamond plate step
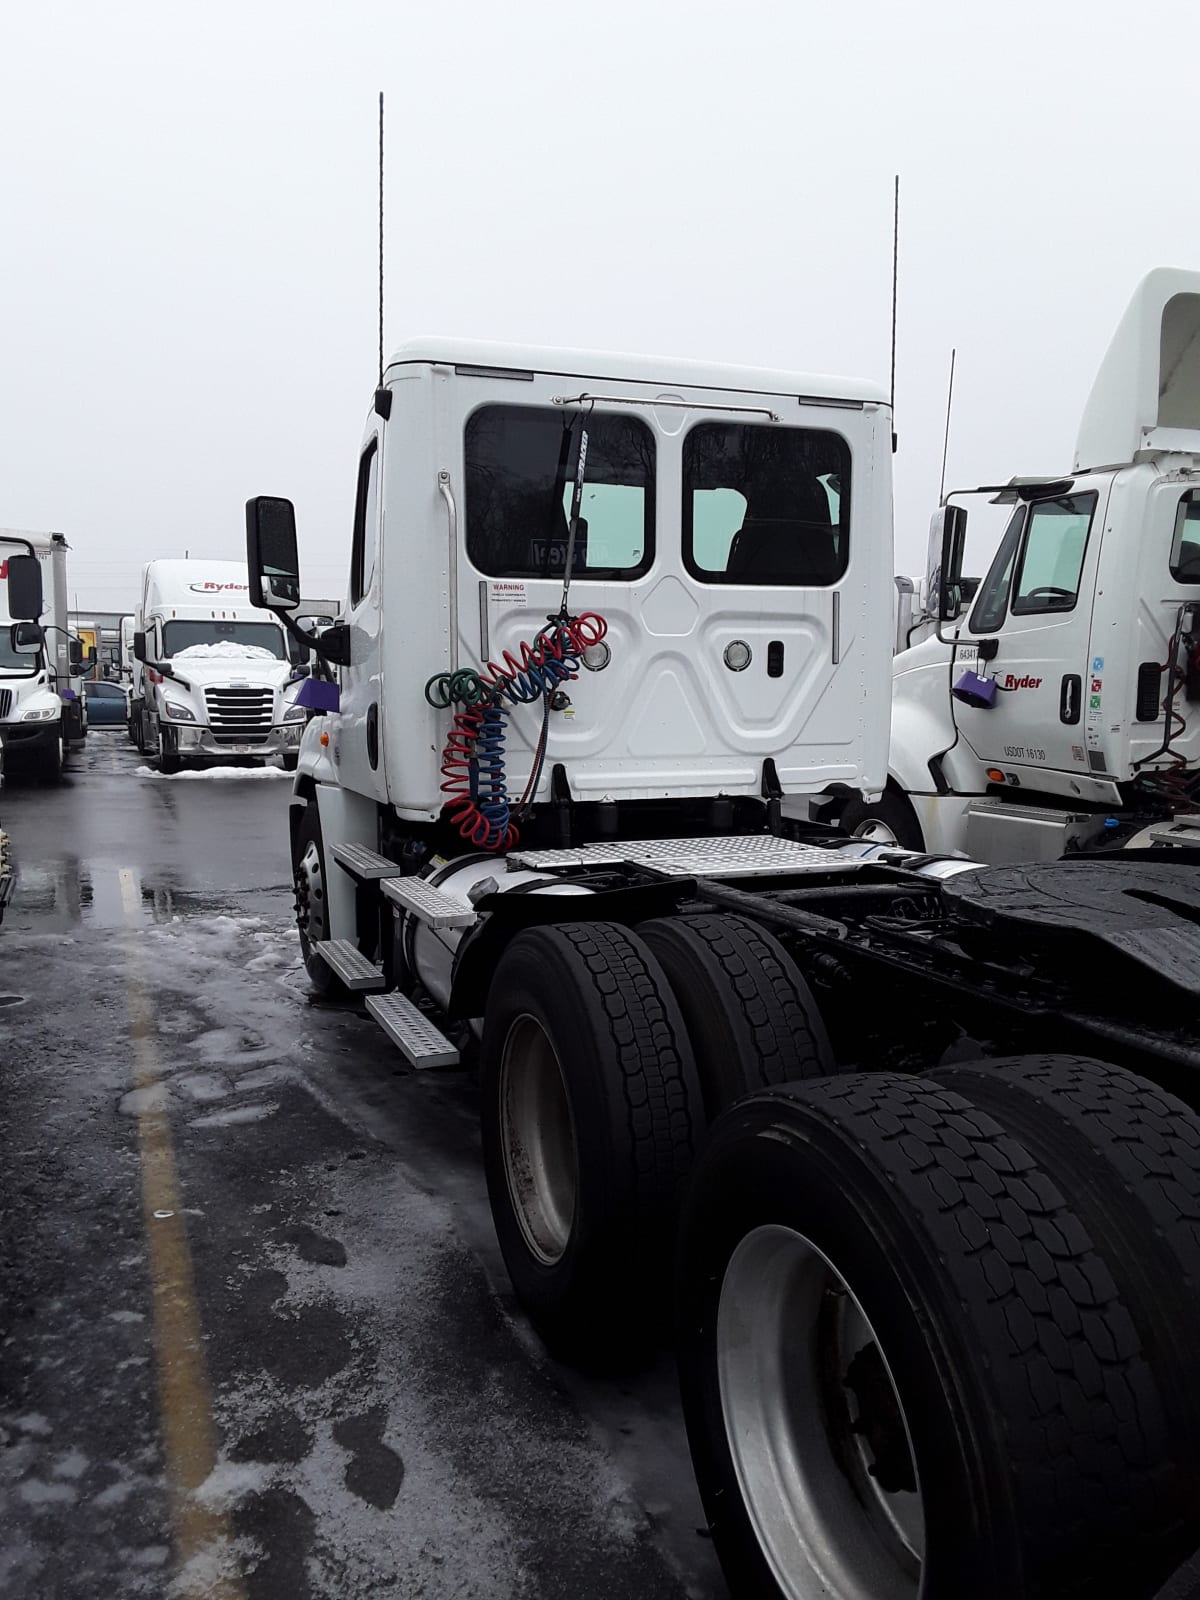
[(407, 1026), (365, 865), (351, 966), (427, 904), (748, 856)]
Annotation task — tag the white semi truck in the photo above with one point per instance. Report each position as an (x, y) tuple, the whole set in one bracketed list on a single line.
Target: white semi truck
[(212, 679), (1058, 708), (929, 1180), (43, 714)]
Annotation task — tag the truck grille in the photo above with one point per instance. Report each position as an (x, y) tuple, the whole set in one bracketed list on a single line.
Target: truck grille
[(5, 702), (239, 716)]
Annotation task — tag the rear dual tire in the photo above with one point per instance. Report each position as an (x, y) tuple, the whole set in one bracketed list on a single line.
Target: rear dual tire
[(591, 1116), (875, 1250)]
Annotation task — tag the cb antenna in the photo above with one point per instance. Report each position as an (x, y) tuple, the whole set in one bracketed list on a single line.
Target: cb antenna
[(946, 440), (383, 397), (895, 282), (381, 238)]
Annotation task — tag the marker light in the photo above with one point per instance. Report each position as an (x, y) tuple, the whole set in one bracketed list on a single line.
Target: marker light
[(995, 775), (596, 657), (738, 655)]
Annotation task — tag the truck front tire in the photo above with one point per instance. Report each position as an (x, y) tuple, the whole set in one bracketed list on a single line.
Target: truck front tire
[(52, 756), (904, 1367), (891, 820), (591, 1115), (312, 909), (751, 1017)]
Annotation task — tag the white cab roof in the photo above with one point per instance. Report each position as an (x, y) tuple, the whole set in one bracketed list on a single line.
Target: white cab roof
[(665, 372), (38, 541), (1146, 395)]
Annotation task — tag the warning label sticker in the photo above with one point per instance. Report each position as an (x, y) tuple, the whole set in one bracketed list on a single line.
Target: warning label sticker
[(505, 592)]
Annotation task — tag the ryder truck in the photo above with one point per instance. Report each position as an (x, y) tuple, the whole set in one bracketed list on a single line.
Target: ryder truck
[(917, 1136), (213, 680)]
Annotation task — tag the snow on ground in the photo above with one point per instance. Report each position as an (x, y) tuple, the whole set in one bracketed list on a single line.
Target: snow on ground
[(225, 650), (215, 773)]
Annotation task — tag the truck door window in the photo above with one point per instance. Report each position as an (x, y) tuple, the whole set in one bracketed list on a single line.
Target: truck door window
[(765, 505), (366, 524), (1056, 534), (1185, 546), (991, 605), (517, 511)]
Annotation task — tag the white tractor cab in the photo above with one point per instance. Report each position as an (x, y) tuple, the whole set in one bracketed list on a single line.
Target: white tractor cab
[(43, 714), (604, 615), (1059, 709), (213, 680)]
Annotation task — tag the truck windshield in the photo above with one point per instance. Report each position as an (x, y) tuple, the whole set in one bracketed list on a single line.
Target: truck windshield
[(180, 635)]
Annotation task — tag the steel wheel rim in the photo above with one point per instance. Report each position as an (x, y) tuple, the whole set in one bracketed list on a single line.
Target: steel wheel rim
[(537, 1137), (790, 1330), (310, 895), (876, 831)]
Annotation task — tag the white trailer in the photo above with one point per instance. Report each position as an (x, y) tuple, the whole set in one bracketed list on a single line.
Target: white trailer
[(212, 679), (43, 714), (936, 1289), (1060, 707)]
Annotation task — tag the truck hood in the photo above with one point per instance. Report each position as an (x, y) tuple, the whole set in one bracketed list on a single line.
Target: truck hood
[(256, 672)]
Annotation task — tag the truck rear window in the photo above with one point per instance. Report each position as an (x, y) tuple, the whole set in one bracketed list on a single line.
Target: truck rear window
[(518, 501), (765, 505)]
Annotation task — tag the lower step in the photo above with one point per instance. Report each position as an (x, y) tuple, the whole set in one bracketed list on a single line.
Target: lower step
[(351, 966), (407, 1026)]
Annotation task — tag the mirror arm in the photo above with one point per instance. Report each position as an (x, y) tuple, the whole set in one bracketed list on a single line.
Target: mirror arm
[(331, 644), (166, 670)]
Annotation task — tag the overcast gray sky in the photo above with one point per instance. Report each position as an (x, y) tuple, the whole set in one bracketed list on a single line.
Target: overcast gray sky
[(187, 203)]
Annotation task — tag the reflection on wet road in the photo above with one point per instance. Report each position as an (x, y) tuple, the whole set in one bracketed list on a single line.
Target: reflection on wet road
[(257, 1339)]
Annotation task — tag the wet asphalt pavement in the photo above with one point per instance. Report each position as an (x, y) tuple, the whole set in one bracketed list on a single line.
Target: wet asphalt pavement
[(256, 1339)]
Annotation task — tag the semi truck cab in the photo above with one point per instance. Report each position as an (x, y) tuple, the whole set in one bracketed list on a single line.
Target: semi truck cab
[(1060, 707), (214, 680)]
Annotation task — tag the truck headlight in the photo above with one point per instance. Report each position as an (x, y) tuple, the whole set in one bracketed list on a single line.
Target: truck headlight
[(295, 714), (178, 713), (50, 714)]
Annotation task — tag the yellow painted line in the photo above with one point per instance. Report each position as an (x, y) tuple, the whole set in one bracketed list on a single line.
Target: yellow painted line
[(202, 1534)]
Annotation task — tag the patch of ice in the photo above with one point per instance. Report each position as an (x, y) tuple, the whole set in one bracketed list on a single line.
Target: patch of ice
[(73, 1465), (35, 1492), (225, 650), (213, 773), (229, 1482), (127, 1316), (143, 1102), (235, 1116), (152, 1555), (214, 1565), (203, 1086), (33, 1422)]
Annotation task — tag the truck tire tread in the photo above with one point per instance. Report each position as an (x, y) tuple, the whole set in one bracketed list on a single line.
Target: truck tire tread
[(1031, 1320), (751, 1017)]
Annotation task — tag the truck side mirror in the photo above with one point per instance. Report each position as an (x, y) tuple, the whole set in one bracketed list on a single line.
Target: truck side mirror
[(75, 653), (24, 588), (26, 637), (947, 541), (271, 555), (139, 647)]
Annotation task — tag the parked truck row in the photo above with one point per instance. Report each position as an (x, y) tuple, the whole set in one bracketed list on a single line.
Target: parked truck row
[(914, 1137)]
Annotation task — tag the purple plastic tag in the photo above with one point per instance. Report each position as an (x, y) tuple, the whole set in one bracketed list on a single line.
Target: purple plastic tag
[(318, 694), (975, 691), (67, 694)]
